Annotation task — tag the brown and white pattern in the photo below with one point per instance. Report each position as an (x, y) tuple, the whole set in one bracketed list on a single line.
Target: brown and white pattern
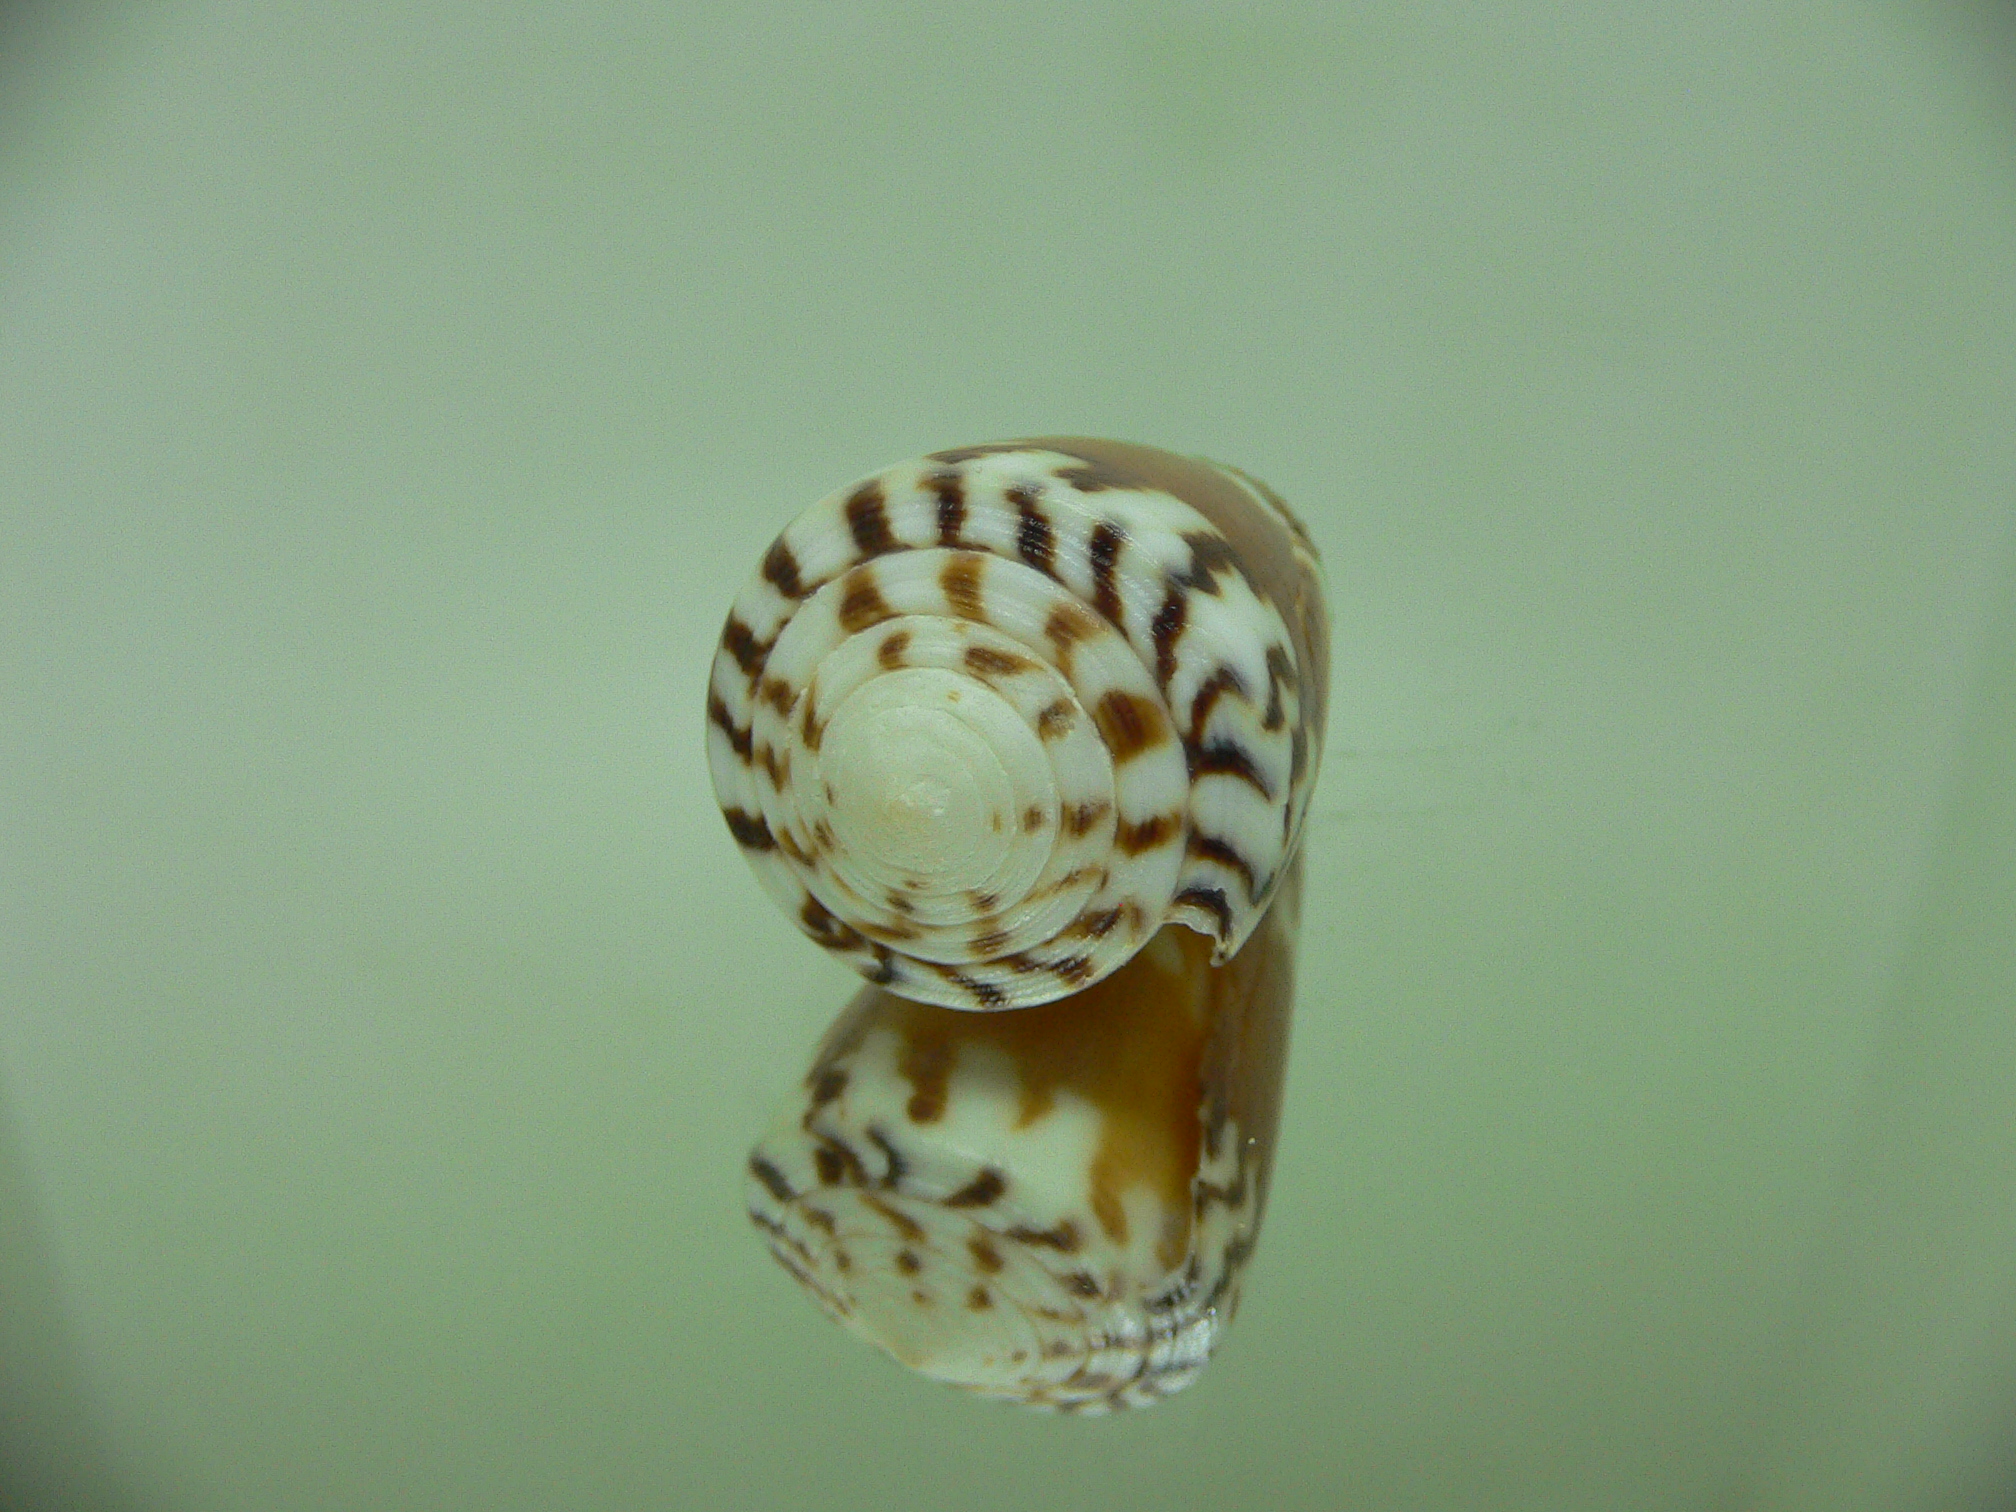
[(986, 721), (1053, 1206)]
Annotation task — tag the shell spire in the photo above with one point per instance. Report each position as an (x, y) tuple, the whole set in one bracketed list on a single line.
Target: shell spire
[(986, 721)]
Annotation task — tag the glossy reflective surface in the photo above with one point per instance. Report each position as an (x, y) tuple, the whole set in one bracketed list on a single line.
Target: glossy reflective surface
[(391, 397)]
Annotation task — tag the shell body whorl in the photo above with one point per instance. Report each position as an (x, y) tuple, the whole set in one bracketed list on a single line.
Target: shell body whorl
[(986, 721)]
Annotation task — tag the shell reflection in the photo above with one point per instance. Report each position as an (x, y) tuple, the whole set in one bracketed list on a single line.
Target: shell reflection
[(1052, 1206)]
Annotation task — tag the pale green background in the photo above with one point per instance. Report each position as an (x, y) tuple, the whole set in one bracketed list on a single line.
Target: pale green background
[(391, 399)]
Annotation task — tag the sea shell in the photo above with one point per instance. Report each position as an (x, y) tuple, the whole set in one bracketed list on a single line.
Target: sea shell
[(1053, 1206), (984, 722)]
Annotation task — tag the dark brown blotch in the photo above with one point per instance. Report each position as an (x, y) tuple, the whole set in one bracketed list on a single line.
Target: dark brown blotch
[(1210, 555), (1134, 837), (1223, 680), (861, 604), (1213, 848), (1035, 539), (1064, 1237), (868, 520), (926, 1063), (978, 1299), (1227, 758), (908, 1227), (960, 581), (717, 712), (986, 661), (1167, 629), (983, 1189), (780, 568), (1212, 901), (890, 652), (751, 831), (828, 1084), (740, 642), (984, 1255), (908, 1263), (1082, 818), (1074, 969), (772, 1178), (1104, 552), (1129, 724), (1032, 818), (1067, 625), (950, 490)]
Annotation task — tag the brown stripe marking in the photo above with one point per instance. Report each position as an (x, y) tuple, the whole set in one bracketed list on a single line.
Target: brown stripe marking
[(890, 652), (1210, 555), (1227, 758), (985, 661), (1212, 848), (779, 694), (1081, 817), (1280, 673), (771, 1178), (927, 1065), (1068, 881), (1222, 681), (1158, 829), (862, 605), (1035, 540), (776, 764), (950, 489), (1067, 625), (1083, 1283), (980, 1191), (985, 1256), (1072, 969), (1212, 900), (809, 726), (902, 1222), (1129, 725), (908, 1263), (828, 1084), (751, 831), (1096, 925), (1104, 551), (837, 1162), (740, 642), (1064, 1238), (780, 567), (988, 941), (1167, 629), (960, 579), (982, 992), (1032, 819), (824, 927), (869, 520), (717, 711)]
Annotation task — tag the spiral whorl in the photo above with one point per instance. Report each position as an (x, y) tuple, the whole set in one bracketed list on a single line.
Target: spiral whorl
[(987, 720)]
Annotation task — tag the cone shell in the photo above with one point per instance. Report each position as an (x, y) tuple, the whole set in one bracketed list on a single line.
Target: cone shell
[(987, 721)]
